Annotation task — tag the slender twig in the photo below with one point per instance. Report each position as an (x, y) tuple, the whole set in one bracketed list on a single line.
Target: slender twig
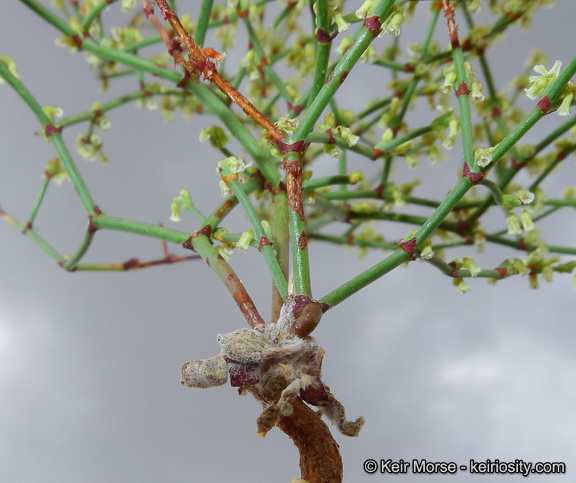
[(265, 247), (52, 132), (202, 62)]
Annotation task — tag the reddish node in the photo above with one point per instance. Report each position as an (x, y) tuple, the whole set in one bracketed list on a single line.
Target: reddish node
[(77, 41), (463, 227), (184, 80), (132, 263), (332, 139), (297, 147), (297, 109), (409, 247), (49, 130), (373, 25), (462, 89), (502, 272), (206, 231), (544, 104), (516, 165), (324, 38), (474, 178), (263, 242), (377, 153), (454, 273), (523, 245), (91, 227)]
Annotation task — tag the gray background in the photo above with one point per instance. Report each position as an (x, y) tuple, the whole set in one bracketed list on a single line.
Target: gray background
[(90, 362)]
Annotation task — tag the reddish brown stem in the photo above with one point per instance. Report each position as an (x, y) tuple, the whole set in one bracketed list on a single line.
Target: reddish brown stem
[(452, 29), (201, 62), (320, 460), (200, 242)]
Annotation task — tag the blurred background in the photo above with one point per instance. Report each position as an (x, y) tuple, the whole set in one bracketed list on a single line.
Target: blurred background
[(90, 362)]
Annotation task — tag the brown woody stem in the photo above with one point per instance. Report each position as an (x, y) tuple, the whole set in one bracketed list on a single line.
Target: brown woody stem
[(320, 460), (200, 62)]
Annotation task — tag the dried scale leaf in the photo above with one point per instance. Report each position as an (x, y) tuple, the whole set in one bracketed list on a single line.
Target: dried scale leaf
[(204, 373), (247, 346)]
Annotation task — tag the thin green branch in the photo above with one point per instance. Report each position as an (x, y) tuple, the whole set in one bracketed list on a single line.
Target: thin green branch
[(93, 14), (281, 244), (265, 247), (323, 46), (201, 244), (266, 67), (71, 262), (39, 199), (30, 233), (203, 19), (52, 132)]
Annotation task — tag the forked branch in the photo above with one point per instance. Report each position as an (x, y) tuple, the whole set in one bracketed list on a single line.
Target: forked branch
[(202, 62)]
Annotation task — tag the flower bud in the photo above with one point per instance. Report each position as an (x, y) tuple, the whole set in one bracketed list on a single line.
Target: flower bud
[(527, 222), (175, 207), (468, 264), (460, 285), (513, 225), (483, 156), (564, 109), (245, 239)]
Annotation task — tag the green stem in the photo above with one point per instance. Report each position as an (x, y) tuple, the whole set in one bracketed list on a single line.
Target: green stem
[(314, 184), (266, 249), (203, 19), (365, 278), (359, 44), (92, 14), (355, 241), (267, 68), (71, 262), (449, 270), (322, 50), (120, 101), (298, 239), (399, 256), (206, 250), (509, 174), (206, 95), (557, 160), (281, 245), (464, 107), (105, 222), (216, 217), (39, 198), (53, 134), (30, 233), (493, 187)]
